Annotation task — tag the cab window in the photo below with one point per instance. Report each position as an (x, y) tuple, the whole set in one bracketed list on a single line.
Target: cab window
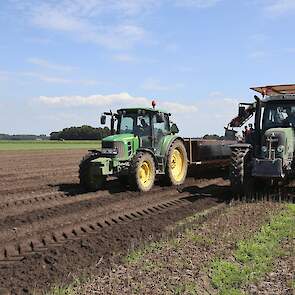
[(126, 124), (161, 128)]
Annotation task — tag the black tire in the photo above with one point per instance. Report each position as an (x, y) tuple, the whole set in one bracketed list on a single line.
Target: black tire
[(136, 180), (173, 178), (240, 171), (89, 180)]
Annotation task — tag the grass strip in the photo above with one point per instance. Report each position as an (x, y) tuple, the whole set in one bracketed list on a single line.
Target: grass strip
[(254, 257), (64, 289), (61, 291), (28, 145)]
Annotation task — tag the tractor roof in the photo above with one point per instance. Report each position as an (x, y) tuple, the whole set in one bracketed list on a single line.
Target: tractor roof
[(151, 110), (275, 90)]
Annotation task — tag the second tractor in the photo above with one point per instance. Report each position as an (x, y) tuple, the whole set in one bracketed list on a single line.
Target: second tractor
[(267, 156)]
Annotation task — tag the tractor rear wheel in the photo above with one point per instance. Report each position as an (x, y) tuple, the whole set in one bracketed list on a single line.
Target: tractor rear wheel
[(142, 172), (240, 171), (177, 163), (91, 181)]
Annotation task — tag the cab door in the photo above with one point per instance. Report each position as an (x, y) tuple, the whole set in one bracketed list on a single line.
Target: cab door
[(144, 130), (160, 130)]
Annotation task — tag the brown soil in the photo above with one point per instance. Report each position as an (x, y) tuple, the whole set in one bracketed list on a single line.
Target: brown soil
[(180, 265), (51, 230)]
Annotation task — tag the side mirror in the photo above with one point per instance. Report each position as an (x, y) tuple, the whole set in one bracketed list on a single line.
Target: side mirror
[(160, 118), (103, 119), (242, 111), (174, 129)]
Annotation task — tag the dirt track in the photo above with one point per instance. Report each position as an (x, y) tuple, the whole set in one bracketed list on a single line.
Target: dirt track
[(51, 230)]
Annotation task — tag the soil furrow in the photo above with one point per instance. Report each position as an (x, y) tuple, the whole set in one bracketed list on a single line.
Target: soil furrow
[(44, 212), (91, 252)]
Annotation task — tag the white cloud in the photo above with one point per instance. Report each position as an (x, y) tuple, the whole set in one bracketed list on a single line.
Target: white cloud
[(178, 108), (280, 7), (133, 7), (115, 100), (195, 118), (94, 100), (49, 65), (214, 114), (50, 18), (132, 59), (80, 20), (196, 3), (84, 20)]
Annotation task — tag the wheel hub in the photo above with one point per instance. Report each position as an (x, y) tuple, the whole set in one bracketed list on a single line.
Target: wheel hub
[(177, 164), (145, 173)]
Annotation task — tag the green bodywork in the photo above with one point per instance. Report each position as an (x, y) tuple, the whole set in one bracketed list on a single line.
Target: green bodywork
[(287, 137), (127, 145), (125, 139), (166, 142)]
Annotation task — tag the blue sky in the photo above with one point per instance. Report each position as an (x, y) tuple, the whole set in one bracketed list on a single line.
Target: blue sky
[(64, 62)]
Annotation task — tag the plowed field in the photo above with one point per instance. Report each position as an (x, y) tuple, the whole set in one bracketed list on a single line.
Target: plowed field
[(52, 231)]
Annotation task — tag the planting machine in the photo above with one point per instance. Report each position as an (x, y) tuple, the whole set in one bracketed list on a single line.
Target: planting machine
[(144, 145), (267, 155)]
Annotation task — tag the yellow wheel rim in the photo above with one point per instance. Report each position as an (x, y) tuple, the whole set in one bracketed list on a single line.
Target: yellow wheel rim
[(177, 164), (145, 173)]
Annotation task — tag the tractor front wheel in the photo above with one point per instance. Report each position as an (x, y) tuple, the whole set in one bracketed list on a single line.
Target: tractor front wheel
[(89, 179), (142, 172), (177, 163)]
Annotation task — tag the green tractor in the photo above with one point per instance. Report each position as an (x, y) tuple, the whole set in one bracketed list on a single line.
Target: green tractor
[(266, 157), (144, 144)]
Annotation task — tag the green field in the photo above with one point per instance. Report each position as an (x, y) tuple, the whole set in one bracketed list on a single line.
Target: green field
[(18, 145)]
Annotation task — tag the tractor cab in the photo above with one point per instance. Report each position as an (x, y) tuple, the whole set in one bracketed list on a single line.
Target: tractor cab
[(148, 126)]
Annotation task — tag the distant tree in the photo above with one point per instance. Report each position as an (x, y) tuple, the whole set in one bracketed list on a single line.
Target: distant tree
[(23, 137), (54, 135), (4, 137), (84, 132)]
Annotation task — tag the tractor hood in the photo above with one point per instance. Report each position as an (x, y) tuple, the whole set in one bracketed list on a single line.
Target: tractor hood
[(123, 145), (119, 137)]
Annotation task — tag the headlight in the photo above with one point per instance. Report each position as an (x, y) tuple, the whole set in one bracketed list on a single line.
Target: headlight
[(280, 148), (264, 149), (106, 151)]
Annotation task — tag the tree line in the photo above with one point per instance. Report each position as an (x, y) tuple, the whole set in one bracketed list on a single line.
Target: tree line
[(84, 132), (23, 137)]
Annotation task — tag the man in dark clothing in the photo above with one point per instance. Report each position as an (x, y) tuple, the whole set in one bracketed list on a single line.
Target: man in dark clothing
[(245, 131), (250, 134)]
